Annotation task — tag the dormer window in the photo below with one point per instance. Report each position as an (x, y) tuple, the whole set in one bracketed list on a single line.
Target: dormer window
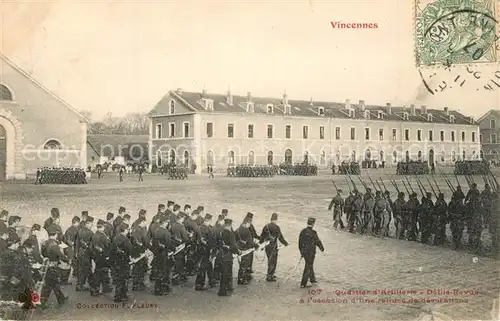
[(288, 109), (270, 109), (452, 119), (321, 111), (380, 114), (430, 117), (250, 107), (210, 104), (406, 116), (367, 114), (351, 113)]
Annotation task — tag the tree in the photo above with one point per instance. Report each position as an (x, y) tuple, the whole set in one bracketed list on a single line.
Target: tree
[(130, 124)]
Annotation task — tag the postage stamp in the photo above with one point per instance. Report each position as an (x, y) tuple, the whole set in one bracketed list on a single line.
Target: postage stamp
[(455, 32)]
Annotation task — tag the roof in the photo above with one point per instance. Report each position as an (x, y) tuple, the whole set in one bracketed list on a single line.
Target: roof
[(102, 143), (491, 112), (30, 78), (302, 108)]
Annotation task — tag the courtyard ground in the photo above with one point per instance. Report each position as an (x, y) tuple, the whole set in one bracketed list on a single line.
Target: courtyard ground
[(350, 262)]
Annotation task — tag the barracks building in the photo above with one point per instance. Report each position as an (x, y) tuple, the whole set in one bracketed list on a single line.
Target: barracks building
[(221, 129), (489, 125)]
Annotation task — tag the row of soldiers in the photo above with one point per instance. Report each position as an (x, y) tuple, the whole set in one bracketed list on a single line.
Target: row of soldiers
[(55, 175), (182, 243), (372, 213), (252, 171)]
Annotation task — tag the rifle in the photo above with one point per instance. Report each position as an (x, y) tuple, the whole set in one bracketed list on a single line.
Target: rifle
[(493, 178), (458, 182), (375, 187), (383, 184), (447, 180), (432, 188), (406, 187), (363, 183), (335, 186), (379, 186), (395, 186), (435, 182), (409, 184), (348, 186), (420, 187)]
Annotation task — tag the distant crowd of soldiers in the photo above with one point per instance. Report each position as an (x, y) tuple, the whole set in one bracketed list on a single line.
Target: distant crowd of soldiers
[(424, 220), (252, 171), (175, 245), (299, 169), (57, 175)]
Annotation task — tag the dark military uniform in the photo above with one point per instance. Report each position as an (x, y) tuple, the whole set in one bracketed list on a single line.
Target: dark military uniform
[(206, 247), (180, 236), (100, 251), (425, 218), (228, 248), (69, 238), (368, 215), (349, 209), (218, 229), (439, 220), (412, 208), (308, 241), (140, 241), (51, 250), (382, 211), (357, 218), (255, 236), (16, 272), (272, 233), (474, 219), (337, 204), (245, 241), (456, 216), (161, 246), (83, 255), (400, 216), (121, 250), (193, 229), (155, 224)]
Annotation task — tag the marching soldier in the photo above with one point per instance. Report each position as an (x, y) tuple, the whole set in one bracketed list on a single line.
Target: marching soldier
[(140, 241), (140, 171), (387, 196), (439, 220), (121, 172), (308, 241), (108, 225), (155, 224), (180, 236), (357, 218), (368, 218), (54, 214), (400, 216), (348, 208), (337, 204), (412, 208), (228, 248), (207, 245), (161, 245), (69, 238), (456, 213), (255, 236), (100, 246), (52, 251), (218, 229), (486, 200), (141, 217), (83, 254), (425, 217), (382, 210), (121, 249), (245, 241), (272, 233), (472, 204)]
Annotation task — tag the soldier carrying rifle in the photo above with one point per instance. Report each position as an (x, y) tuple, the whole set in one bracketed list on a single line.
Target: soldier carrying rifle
[(337, 204)]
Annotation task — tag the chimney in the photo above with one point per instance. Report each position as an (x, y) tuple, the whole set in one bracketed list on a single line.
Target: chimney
[(471, 120), (229, 97), (446, 111), (249, 96), (362, 105), (311, 103), (285, 99), (413, 110), (389, 108), (204, 93), (347, 104), (423, 110), (179, 91)]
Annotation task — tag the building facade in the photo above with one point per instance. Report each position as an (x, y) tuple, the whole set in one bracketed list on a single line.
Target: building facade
[(490, 134), (222, 129), (36, 127)]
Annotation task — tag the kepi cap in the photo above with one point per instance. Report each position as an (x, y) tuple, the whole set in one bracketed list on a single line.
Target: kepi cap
[(274, 217), (311, 221)]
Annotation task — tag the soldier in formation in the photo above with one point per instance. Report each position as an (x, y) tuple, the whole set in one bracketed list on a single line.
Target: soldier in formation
[(55, 175), (337, 204)]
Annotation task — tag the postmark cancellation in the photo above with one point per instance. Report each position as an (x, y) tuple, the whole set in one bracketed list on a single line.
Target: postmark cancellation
[(456, 32)]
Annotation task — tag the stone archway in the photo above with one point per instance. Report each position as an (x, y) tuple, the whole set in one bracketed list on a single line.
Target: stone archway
[(288, 156), (12, 145)]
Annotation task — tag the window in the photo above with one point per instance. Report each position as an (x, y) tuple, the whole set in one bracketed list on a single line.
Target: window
[(463, 136), (480, 138), (186, 130), (288, 131), (431, 135), (269, 109), (269, 131), (452, 136), (407, 134), (172, 107), (430, 117), (353, 133), (5, 93), (210, 129), (269, 158), (452, 119), (288, 110), (493, 138), (394, 134), (441, 135), (250, 108), (381, 134), (367, 114), (380, 114), (321, 132), (337, 133), (351, 113), (493, 124), (209, 103), (321, 111), (230, 130), (405, 116), (250, 131), (473, 137), (367, 133), (158, 131), (305, 132), (171, 134), (52, 144), (419, 135)]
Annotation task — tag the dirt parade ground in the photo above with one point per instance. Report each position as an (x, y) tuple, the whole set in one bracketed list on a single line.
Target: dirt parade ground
[(359, 277)]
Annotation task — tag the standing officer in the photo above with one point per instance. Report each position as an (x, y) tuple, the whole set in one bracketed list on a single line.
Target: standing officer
[(51, 250), (180, 236), (140, 241), (121, 249), (100, 246), (368, 218), (54, 214), (337, 204), (69, 239), (439, 220), (195, 236), (456, 216), (308, 241), (83, 253), (255, 236), (412, 208), (228, 248), (245, 241), (218, 228), (400, 216), (161, 244), (272, 233), (348, 209), (382, 210), (425, 222), (206, 246)]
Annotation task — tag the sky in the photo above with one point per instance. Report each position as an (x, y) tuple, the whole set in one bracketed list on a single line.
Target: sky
[(105, 56)]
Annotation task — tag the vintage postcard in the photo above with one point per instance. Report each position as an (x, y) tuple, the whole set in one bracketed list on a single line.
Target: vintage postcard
[(250, 160)]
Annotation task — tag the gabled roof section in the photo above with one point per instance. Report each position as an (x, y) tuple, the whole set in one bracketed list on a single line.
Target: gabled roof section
[(161, 108), (491, 112), (303, 108), (34, 81)]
